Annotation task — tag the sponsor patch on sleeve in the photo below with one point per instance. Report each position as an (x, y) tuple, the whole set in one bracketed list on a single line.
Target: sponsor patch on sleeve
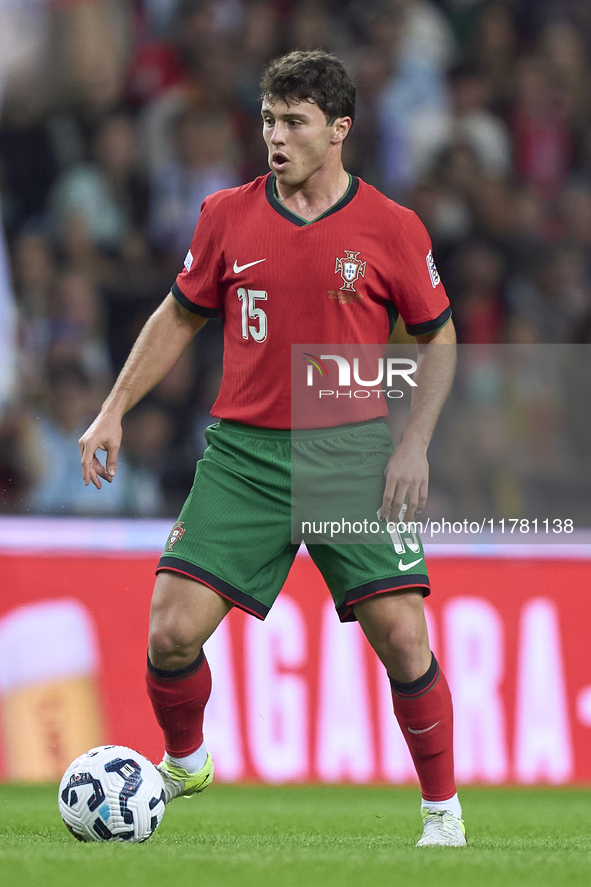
[(433, 272), (189, 261)]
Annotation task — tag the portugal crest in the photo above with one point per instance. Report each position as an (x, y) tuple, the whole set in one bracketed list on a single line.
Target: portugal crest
[(350, 268), (177, 532)]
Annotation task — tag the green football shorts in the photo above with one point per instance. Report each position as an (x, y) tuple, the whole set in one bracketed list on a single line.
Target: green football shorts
[(238, 534)]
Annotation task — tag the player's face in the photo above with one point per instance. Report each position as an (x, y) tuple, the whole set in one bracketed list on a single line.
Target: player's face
[(298, 139)]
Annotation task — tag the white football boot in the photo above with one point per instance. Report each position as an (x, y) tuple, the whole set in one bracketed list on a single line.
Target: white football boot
[(442, 830)]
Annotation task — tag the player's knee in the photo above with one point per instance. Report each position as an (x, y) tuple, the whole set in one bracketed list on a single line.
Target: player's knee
[(403, 643), (172, 647)]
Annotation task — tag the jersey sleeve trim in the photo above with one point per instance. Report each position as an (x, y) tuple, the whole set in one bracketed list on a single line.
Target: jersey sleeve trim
[(429, 326), (191, 306)]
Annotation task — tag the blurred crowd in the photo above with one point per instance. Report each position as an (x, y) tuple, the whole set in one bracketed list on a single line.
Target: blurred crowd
[(119, 116)]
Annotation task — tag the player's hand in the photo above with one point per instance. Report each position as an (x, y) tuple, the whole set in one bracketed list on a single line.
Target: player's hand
[(104, 434), (407, 475)]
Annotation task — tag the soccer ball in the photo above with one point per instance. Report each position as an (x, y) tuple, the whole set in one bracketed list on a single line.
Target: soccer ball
[(111, 793)]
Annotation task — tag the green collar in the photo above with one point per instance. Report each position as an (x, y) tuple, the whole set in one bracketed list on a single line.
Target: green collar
[(279, 207)]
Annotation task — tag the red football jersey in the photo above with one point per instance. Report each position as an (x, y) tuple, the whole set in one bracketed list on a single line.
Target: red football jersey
[(279, 280)]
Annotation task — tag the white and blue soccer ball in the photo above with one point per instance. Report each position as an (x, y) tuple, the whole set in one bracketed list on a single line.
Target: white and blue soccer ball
[(112, 793)]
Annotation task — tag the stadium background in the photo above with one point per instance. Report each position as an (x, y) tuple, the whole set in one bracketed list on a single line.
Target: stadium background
[(117, 118)]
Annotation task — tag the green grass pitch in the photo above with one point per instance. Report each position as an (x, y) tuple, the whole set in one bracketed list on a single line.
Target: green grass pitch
[(242, 836)]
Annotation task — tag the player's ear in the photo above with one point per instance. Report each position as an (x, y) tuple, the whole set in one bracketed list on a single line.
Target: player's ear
[(340, 129)]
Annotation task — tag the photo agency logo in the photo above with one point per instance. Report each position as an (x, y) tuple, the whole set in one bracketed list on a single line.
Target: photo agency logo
[(346, 376), (344, 392)]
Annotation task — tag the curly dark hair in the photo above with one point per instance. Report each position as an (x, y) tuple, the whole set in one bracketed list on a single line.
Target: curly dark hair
[(316, 76)]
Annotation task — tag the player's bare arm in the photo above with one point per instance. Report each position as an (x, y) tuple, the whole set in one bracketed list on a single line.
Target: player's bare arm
[(159, 345), (407, 472)]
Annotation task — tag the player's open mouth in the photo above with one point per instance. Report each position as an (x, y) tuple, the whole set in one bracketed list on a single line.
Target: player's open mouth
[(279, 161)]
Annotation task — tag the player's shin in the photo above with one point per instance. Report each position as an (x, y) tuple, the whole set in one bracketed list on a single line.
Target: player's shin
[(424, 711), (179, 698)]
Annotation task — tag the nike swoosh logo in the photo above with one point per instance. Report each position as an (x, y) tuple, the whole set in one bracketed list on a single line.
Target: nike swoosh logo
[(403, 567), (238, 268), (426, 730)]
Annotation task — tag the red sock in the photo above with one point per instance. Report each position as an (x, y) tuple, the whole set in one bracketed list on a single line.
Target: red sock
[(178, 698), (424, 711)]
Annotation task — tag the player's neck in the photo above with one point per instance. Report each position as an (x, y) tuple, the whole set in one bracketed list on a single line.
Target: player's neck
[(316, 195)]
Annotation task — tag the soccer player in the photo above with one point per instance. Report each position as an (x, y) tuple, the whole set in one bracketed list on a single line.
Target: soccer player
[(265, 256)]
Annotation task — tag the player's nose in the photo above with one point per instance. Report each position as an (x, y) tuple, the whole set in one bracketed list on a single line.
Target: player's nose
[(278, 135)]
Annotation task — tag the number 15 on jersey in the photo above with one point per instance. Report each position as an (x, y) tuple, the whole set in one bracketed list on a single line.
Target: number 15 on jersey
[(249, 299)]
